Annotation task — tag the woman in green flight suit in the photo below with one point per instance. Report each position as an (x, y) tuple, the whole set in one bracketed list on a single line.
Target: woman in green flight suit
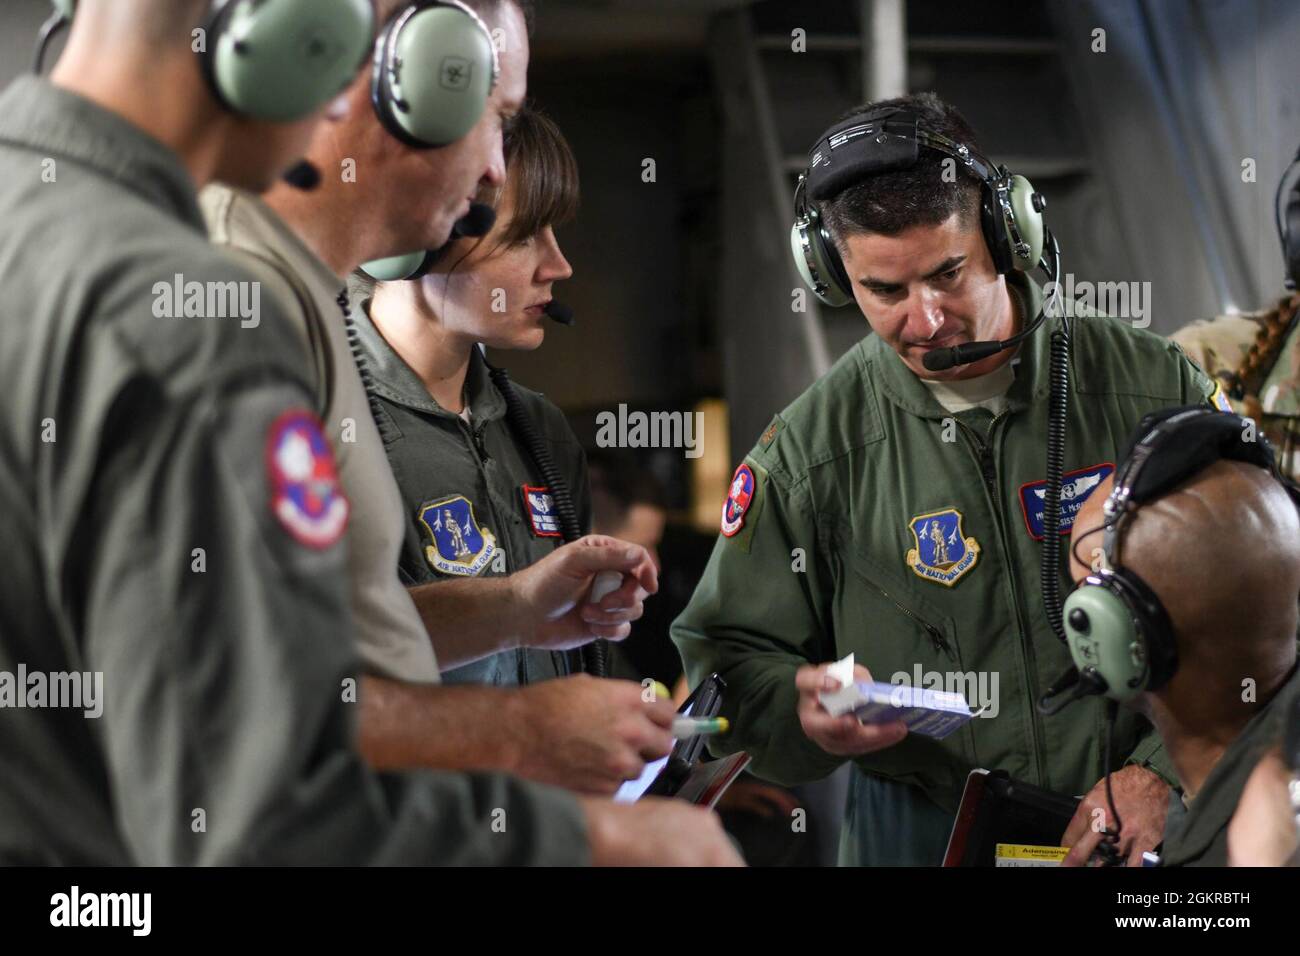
[(478, 500)]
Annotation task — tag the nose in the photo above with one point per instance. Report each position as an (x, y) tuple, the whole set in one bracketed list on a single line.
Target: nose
[(494, 175), (553, 267), (925, 317)]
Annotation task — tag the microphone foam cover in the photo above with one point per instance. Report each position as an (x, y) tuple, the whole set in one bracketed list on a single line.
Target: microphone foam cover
[(477, 222), (559, 312), (303, 176)]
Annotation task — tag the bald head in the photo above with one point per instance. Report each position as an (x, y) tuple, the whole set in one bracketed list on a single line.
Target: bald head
[(1222, 552)]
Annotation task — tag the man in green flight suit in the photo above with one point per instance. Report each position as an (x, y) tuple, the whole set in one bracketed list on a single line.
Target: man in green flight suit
[(829, 533)]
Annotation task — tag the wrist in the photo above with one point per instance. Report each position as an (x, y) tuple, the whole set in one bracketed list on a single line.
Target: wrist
[(514, 624), (602, 830), (512, 723)]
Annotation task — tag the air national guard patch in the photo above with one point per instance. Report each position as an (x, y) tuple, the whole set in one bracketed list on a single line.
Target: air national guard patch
[(541, 512), (305, 493), (1076, 486), (739, 498), (459, 546), (941, 554)]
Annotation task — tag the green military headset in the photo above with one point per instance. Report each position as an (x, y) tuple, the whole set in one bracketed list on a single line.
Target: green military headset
[(435, 67), (878, 141), (275, 60), (1118, 632)]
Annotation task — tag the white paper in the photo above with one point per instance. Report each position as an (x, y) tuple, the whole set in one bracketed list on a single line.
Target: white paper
[(842, 671)]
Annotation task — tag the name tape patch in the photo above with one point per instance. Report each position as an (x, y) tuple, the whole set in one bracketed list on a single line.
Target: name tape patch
[(1076, 486), (542, 516)]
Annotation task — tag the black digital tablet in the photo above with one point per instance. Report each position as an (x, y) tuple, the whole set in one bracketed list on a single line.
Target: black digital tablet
[(664, 777), (997, 809)]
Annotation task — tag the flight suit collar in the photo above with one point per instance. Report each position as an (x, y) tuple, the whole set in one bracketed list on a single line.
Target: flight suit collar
[(1208, 815), (397, 382), (245, 220), (901, 385), (39, 115)]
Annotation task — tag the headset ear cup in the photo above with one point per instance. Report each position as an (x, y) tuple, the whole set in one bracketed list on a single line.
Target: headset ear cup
[(818, 261), (1156, 632), (282, 61), (435, 67), (1029, 223), (994, 228), (395, 268), (427, 262), (1101, 635), (1009, 255)]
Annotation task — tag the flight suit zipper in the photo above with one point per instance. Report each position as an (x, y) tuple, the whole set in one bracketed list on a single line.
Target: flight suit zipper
[(481, 458), (987, 461), (941, 645), (477, 438), (936, 635)]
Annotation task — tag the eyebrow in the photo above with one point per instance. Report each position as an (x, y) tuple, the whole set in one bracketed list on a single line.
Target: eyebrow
[(880, 285)]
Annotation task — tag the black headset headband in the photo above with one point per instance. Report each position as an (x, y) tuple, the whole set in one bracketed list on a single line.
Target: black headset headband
[(879, 142)]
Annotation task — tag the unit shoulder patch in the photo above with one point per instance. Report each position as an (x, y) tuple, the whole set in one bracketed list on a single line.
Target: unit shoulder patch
[(942, 554), (1219, 399), (460, 545), (306, 497), (740, 496)]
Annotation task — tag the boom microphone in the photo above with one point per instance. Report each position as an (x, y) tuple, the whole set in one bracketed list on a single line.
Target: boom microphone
[(559, 312), (302, 175), (477, 222), (938, 360)]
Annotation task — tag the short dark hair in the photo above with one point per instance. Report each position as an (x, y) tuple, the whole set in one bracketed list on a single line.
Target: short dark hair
[(891, 202)]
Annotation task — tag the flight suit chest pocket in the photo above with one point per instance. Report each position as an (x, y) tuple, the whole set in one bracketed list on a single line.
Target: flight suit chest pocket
[(899, 636)]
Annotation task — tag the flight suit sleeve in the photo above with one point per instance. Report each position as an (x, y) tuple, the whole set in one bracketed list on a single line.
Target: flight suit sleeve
[(217, 612), (1150, 754), (758, 614)]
